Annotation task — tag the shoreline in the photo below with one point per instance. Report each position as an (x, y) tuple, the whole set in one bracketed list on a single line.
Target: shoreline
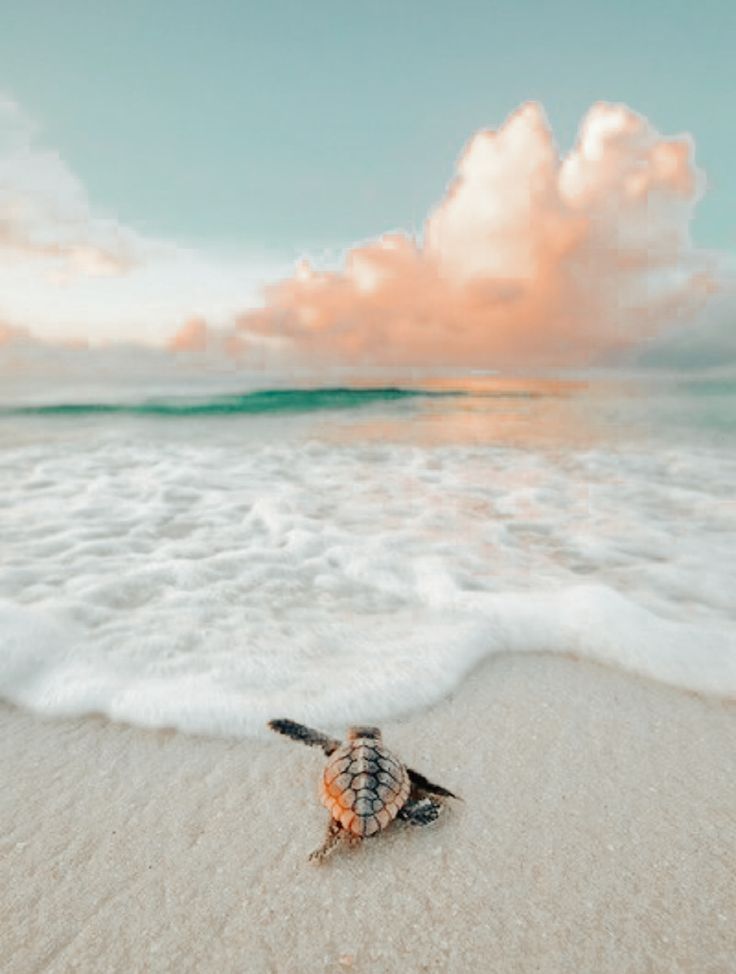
[(597, 833)]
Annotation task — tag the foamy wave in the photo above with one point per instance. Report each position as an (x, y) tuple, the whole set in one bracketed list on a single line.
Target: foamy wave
[(209, 575), (343, 673)]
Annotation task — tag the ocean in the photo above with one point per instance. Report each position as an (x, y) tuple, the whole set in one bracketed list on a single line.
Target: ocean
[(210, 557)]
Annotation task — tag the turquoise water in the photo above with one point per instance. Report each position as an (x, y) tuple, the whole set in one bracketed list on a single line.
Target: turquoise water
[(260, 401), (525, 411)]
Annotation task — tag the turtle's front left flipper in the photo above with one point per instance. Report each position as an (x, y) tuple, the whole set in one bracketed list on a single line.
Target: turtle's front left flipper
[(307, 735), (422, 784)]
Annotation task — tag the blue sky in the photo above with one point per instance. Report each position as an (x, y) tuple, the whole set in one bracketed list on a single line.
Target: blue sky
[(281, 126)]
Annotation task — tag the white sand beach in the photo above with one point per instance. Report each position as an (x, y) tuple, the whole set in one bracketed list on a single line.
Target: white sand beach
[(597, 834)]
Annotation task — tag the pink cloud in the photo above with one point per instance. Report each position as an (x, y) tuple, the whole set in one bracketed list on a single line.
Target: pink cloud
[(529, 259), (197, 337), (191, 337)]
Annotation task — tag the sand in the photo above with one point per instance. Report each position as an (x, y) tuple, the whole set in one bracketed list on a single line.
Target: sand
[(598, 834)]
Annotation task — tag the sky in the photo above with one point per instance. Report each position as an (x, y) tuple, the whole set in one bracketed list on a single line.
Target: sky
[(211, 146)]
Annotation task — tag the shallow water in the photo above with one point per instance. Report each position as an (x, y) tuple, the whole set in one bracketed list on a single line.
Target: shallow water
[(352, 555)]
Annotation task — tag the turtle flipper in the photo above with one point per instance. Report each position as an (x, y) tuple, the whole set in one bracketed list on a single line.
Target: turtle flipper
[(422, 784), (298, 732), (334, 834), (420, 811)]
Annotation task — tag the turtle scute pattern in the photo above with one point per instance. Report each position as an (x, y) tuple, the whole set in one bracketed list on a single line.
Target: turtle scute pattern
[(364, 786)]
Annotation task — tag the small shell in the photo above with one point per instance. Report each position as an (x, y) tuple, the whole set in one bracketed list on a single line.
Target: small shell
[(364, 786)]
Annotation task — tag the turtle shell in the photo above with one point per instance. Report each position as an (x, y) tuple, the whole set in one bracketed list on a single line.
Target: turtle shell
[(364, 786)]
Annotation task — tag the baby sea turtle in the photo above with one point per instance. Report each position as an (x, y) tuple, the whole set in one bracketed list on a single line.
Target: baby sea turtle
[(364, 786)]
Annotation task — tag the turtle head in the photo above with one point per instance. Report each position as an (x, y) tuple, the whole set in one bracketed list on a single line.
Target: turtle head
[(355, 732)]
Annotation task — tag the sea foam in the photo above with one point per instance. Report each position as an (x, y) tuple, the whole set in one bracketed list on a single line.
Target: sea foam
[(209, 574)]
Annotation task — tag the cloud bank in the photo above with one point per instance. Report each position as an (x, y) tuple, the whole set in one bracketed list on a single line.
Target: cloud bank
[(70, 272), (532, 259), (45, 212), (529, 259)]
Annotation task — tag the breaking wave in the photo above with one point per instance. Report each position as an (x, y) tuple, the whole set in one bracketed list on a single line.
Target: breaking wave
[(249, 403)]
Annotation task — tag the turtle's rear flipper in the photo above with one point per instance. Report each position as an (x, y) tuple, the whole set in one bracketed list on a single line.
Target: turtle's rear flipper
[(307, 735), (421, 784), (423, 811), (334, 834)]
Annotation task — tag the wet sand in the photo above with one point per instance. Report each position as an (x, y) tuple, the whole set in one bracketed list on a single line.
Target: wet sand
[(598, 834)]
